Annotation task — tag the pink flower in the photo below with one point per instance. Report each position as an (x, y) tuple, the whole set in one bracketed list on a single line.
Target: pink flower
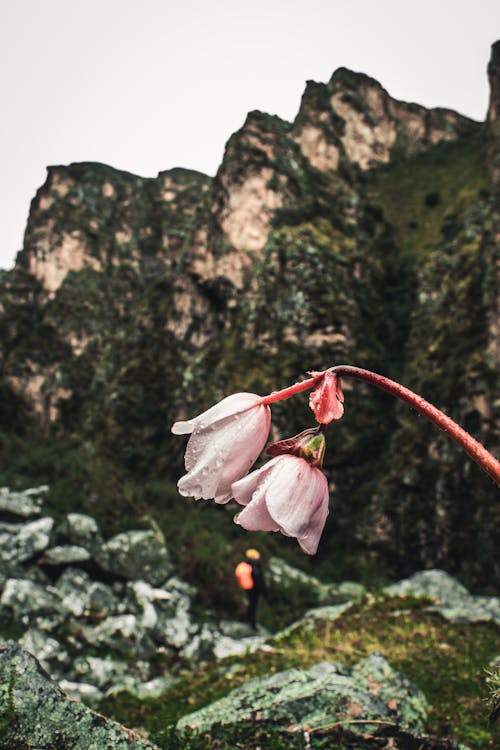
[(288, 494), (327, 399), (225, 441)]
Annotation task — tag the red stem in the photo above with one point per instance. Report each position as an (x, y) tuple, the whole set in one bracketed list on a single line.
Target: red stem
[(304, 385), (471, 446)]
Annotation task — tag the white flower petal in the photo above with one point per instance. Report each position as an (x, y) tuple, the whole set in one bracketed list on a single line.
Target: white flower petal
[(228, 407), (224, 443), (183, 428), (310, 540), (290, 496), (244, 488), (255, 517)]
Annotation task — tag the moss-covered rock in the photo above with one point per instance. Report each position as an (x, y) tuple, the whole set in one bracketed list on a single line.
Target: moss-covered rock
[(320, 696), (34, 712)]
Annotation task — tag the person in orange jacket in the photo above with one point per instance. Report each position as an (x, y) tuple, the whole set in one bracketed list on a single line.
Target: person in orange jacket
[(251, 579)]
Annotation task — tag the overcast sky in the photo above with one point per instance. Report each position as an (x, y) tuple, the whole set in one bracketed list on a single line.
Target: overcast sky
[(146, 85)]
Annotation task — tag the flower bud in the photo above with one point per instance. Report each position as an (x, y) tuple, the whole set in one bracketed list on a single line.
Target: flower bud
[(309, 445), (327, 399)]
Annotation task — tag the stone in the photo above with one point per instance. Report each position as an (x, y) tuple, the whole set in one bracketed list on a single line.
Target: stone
[(104, 672), (9, 568), (225, 646), (24, 505), (50, 652), (320, 696), (36, 713), (22, 542), (136, 555), (81, 691), (283, 575), (200, 645), (144, 597), (81, 530), (150, 689), (121, 633), (235, 638), (330, 613), (66, 554), (174, 626), (27, 600), (451, 599), (82, 597)]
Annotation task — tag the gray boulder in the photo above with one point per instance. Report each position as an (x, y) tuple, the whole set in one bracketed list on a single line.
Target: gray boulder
[(451, 599), (284, 576), (121, 633), (48, 650), (22, 542), (320, 696), (199, 646), (65, 554), (150, 689), (26, 504), (136, 555), (174, 626), (331, 613), (233, 638), (81, 530), (27, 600), (36, 713), (82, 597), (105, 672)]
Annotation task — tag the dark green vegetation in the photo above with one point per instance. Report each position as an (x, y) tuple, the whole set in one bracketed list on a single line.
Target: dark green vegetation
[(446, 661)]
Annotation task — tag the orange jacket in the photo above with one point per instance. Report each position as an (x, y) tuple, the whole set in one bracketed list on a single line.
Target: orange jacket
[(243, 573)]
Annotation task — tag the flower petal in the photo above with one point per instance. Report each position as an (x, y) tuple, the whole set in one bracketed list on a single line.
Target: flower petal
[(247, 439), (255, 516), (297, 493), (228, 407), (244, 488), (310, 540), (326, 400), (183, 428), (247, 428), (220, 452)]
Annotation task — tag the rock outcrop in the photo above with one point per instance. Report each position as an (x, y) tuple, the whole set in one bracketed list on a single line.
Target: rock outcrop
[(352, 119), (319, 696), (109, 615), (36, 713), (493, 118), (77, 598), (451, 599), (106, 616)]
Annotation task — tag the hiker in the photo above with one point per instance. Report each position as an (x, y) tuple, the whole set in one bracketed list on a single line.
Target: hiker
[(250, 578)]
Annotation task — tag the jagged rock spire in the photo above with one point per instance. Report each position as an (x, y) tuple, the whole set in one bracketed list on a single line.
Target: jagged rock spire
[(494, 79), (493, 118)]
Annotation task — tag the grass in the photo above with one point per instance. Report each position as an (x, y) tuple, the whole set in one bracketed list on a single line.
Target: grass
[(447, 661), (418, 194)]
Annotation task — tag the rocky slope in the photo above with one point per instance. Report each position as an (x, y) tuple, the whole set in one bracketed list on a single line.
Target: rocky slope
[(110, 623), (366, 231)]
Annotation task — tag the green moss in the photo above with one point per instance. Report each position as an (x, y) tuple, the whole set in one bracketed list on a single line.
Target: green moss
[(8, 706), (455, 171)]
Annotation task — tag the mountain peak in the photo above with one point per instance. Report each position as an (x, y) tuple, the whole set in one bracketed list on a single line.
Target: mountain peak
[(353, 118)]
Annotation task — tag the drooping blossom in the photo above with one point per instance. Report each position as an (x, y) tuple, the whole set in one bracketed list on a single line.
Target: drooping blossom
[(327, 399), (225, 441), (288, 494)]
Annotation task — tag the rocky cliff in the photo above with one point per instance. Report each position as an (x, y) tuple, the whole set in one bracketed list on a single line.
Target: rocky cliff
[(366, 231)]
